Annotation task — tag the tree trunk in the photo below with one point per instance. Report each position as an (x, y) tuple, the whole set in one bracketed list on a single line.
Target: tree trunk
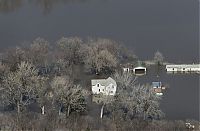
[(42, 110), (102, 108), (18, 108), (144, 117), (68, 110), (59, 112)]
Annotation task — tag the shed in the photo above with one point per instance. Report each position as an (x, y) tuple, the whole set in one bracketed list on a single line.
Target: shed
[(139, 69)]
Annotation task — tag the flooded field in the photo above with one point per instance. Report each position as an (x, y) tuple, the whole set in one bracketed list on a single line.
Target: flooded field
[(170, 26), (181, 98)]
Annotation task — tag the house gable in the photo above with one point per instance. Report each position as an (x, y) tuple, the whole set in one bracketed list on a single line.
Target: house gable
[(104, 86)]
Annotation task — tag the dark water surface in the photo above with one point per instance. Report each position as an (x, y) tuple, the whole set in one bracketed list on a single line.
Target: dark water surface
[(170, 26), (181, 98)]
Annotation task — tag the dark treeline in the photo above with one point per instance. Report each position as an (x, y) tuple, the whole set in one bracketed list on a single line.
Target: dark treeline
[(47, 87)]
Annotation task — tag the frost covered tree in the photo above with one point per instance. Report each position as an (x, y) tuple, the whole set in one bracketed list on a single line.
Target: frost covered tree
[(124, 80), (143, 102), (74, 100), (13, 56), (39, 52), (59, 84), (100, 56), (69, 50), (158, 57), (69, 96), (140, 100), (21, 88)]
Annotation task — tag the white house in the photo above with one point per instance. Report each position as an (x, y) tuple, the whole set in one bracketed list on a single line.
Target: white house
[(105, 86)]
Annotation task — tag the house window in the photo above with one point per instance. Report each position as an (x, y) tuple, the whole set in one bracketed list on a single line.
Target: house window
[(112, 86), (99, 90), (183, 68), (97, 85), (103, 89), (111, 92)]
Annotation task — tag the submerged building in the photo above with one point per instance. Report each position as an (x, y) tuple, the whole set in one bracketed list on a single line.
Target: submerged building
[(137, 69), (158, 88), (183, 68)]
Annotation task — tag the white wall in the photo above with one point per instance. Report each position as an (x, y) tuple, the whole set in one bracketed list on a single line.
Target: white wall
[(126, 69), (181, 69), (97, 90), (109, 90)]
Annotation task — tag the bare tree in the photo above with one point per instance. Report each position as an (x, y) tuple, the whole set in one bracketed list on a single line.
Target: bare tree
[(74, 100), (158, 58), (13, 56), (99, 58), (59, 84), (38, 52), (106, 99), (43, 96), (143, 102), (70, 97), (140, 100), (116, 49), (69, 49), (124, 80), (22, 86)]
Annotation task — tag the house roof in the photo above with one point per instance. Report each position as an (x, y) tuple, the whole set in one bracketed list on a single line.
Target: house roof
[(104, 82), (156, 84), (184, 66), (140, 67)]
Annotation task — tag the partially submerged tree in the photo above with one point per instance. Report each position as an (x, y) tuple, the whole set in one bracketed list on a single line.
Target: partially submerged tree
[(100, 57), (21, 88), (13, 57), (69, 50), (140, 100), (124, 80), (158, 58), (144, 103), (38, 52)]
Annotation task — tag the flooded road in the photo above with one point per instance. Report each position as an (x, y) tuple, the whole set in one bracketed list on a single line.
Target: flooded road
[(145, 26)]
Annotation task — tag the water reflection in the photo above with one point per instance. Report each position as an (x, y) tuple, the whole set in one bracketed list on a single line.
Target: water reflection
[(9, 5), (180, 100), (46, 5)]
